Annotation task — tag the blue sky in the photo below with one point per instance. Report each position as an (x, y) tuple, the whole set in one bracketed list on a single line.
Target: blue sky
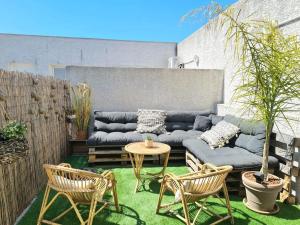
[(144, 20)]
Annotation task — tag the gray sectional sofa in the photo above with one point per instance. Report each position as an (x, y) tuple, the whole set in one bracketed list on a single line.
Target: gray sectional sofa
[(116, 129)]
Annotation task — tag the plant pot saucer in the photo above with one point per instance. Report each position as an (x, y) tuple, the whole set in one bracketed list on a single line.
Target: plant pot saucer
[(274, 211)]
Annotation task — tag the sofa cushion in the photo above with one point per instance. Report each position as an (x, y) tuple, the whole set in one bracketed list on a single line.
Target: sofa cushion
[(251, 143), (220, 134), (237, 157), (215, 119), (247, 126), (176, 137), (151, 121), (228, 130), (171, 126), (116, 117), (213, 138), (184, 116), (111, 127), (117, 138), (202, 123)]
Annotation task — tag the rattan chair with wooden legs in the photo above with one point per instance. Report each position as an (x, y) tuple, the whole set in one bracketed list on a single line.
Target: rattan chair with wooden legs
[(196, 188), (78, 187)]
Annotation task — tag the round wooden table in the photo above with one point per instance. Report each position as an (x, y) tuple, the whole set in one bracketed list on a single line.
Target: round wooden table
[(137, 152)]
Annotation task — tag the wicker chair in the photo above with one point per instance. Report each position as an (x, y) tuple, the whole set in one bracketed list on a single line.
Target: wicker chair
[(193, 187), (79, 187)]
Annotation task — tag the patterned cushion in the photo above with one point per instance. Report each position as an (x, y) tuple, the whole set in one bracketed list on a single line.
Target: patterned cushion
[(151, 121), (220, 134), (228, 130), (213, 138)]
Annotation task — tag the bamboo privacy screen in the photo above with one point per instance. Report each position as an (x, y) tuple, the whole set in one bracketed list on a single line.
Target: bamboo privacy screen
[(42, 103)]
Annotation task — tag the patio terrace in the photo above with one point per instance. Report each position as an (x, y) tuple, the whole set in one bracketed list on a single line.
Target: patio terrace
[(39, 126)]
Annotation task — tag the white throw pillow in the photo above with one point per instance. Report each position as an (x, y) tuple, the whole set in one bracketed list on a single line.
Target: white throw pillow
[(151, 121), (73, 184), (220, 134), (192, 186), (228, 130)]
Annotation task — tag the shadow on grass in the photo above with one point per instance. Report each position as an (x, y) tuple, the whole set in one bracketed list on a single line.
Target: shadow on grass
[(288, 212), (104, 217), (101, 218), (153, 186), (240, 217)]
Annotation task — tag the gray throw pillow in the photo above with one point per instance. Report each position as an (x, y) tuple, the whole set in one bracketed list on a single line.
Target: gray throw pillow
[(151, 121), (202, 123)]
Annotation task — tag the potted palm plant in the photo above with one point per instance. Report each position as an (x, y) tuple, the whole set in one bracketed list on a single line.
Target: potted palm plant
[(82, 106), (269, 89), (269, 75)]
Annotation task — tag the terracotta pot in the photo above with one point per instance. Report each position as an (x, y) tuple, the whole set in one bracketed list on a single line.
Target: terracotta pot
[(149, 143), (259, 197), (81, 135)]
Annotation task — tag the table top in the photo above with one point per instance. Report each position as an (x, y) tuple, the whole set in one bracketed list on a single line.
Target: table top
[(140, 148)]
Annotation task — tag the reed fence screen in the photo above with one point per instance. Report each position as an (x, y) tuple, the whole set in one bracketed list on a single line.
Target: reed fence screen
[(42, 103)]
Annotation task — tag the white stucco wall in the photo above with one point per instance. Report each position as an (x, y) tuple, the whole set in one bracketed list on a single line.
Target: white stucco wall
[(209, 44), (128, 89), (39, 54), (209, 41)]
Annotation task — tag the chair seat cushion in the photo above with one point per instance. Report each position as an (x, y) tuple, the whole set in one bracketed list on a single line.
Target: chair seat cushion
[(237, 157), (192, 186), (63, 182)]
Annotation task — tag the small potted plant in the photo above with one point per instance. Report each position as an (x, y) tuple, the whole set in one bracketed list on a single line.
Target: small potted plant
[(149, 142)]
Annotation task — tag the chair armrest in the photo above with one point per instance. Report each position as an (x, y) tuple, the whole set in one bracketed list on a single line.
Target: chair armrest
[(109, 175), (65, 165)]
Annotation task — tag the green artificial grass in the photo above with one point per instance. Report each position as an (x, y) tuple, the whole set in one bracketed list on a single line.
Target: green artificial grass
[(139, 208)]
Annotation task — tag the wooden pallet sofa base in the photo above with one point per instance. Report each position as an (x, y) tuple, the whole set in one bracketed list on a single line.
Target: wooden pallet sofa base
[(117, 154), (233, 180)]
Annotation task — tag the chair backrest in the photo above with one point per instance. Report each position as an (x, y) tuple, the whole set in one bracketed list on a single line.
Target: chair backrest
[(73, 180), (208, 180)]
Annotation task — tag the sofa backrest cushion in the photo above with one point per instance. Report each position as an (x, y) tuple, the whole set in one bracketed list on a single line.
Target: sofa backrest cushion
[(111, 127), (252, 136), (182, 120), (215, 119), (247, 126), (116, 117), (202, 123), (251, 143), (127, 121)]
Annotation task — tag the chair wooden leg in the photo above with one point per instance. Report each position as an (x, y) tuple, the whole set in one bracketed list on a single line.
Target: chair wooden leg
[(92, 211), (44, 203), (226, 195), (115, 196), (161, 193), (186, 211)]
